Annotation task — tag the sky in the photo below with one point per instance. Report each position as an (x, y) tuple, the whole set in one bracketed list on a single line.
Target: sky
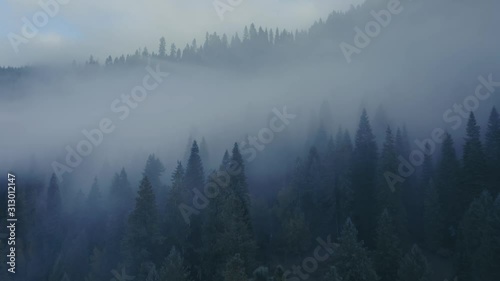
[(80, 28)]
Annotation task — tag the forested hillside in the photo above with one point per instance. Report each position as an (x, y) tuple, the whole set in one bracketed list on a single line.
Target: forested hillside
[(270, 154)]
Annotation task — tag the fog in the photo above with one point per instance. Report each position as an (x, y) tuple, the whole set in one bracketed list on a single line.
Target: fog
[(430, 56)]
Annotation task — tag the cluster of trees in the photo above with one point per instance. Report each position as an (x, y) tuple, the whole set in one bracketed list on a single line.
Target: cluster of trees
[(449, 211), (217, 49)]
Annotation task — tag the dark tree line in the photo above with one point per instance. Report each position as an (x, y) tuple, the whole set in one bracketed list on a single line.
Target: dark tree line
[(449, 210)]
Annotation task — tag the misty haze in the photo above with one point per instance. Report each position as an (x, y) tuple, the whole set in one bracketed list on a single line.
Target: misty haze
[(253, 140)]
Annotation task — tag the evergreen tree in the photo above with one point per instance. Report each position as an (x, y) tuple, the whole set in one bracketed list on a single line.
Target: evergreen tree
[(95, 215), (54, 200), (238, 184), (121, 194), (297, 235), (447, 183), (388, 251), (473, 174), (432, 219), (489, 251), (142, 237), (471, 237), (492, 149), (177, 229), (96, 266), (235, 269), (279, 274), (173, 267), (204, 155), (152, 274), (194, 182), (162, 50), (153, 171), (53, 222), (389, 194), (363, 179), (332, 275), (414, 266), (351, 258)]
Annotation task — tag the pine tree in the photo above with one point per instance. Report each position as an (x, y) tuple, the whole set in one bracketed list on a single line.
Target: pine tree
[(332, 275), (389, 195), (204, 155), (492, 149), (235, 269), (54, 200), (53, 222), (176, 227), (432, 219), (152, 274), (121, 194), (162, 49), (95, 215), (351, 258), (419, 196), (96, 266), (279, 273), (414, 266), (238, 184), (489, 251), (388, 251), (363, 179), (153, 171), (173, 267), (473, 174), (447, 183), (194, 180), (143, 236), (297, 235), (471, 237)]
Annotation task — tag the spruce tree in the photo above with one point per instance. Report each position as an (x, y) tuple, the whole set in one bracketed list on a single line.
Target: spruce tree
[(173, 267), (389, 193), (351, 258), (204, 154), (473, 174), (235, 269), (177, 229), (153, 171), (96, 265), (489, 251), (194, 180), (387, 248), (492, 149), (143, 236), (472, 236), (162, 49), (53, 222), (414, 266), (363, 179), (447, 185), (333, 275), (95, 215), (432, 219)]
